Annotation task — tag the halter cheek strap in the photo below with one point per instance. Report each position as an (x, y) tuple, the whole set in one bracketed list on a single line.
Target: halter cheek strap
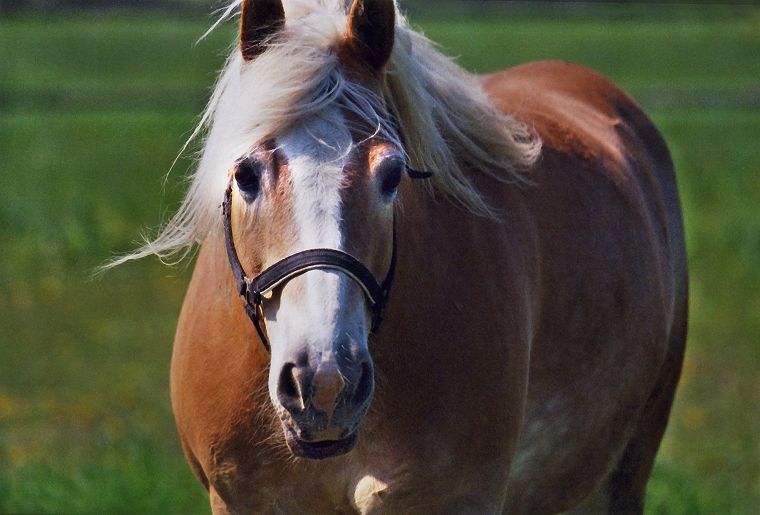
[(253, 290)]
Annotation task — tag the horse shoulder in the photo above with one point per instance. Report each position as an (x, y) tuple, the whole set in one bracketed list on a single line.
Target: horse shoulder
[(218, 381)]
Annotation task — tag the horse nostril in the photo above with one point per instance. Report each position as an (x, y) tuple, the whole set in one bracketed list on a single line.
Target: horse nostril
[(289, 389), (365, 385)]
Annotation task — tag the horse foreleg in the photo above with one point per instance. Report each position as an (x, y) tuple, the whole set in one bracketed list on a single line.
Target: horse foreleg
[(218, 506)]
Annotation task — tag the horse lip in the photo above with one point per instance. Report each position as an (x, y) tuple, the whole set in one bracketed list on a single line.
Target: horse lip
[(321, 449)]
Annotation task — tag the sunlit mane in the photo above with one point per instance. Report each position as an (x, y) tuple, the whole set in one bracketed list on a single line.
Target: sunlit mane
[(446, 122)]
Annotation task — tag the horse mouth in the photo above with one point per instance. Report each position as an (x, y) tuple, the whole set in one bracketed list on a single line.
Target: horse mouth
[(319, 450)]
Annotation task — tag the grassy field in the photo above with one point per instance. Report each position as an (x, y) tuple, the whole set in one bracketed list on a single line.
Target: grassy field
[(92, 112)]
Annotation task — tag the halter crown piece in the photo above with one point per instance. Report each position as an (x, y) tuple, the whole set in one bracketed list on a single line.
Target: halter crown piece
[(253, 289)]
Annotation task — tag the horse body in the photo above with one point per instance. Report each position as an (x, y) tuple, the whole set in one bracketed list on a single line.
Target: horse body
[(534, 332), (611, 323), (527, 363)]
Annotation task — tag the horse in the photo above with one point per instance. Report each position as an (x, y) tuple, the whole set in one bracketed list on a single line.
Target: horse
[(420, 290)]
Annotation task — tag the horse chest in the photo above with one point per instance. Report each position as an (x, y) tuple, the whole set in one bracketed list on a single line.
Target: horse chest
[(303, 488)]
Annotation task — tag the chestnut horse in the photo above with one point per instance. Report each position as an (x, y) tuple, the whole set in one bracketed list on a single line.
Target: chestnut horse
[(532, 291)]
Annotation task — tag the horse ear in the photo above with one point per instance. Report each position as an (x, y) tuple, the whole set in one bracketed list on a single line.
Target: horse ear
[(371, 25), (259, 20)]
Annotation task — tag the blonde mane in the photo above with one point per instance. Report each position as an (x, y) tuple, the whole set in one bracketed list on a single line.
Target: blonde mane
[(448, 124)]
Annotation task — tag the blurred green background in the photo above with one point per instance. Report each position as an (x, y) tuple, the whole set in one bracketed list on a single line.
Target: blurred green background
[(94, 105)]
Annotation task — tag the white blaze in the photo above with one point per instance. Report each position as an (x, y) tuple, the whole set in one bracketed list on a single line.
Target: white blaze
[(312, 312)]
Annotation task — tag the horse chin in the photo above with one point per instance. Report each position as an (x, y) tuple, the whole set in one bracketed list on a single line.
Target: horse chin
[(318, 450)]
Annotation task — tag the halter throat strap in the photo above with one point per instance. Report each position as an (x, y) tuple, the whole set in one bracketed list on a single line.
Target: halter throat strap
[(253, 289)]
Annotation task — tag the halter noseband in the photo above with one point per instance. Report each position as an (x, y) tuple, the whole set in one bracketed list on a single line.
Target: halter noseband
[(252, 290)]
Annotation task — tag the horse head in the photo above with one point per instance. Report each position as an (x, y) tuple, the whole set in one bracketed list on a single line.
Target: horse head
[(327, 180)]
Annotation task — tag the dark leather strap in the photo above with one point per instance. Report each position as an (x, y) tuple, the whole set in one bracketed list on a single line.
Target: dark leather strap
[(252, 306), (237, 267), (416, 174), (301, 262)]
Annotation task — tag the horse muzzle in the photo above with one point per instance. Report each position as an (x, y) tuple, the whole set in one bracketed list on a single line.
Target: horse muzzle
[(322, 407)]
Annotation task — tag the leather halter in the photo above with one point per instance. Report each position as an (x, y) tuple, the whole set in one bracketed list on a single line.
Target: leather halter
[(253, 289)]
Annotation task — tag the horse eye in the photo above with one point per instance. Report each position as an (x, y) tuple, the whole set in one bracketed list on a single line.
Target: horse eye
[(248, 176), (390, 172)]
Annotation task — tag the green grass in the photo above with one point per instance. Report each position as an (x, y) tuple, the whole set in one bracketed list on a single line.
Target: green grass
[(92, 112)]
